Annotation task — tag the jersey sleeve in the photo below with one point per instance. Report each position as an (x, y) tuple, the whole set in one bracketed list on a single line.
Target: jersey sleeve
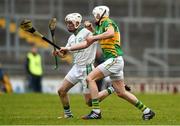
[(107, 25), (69, 42), (87, 33)]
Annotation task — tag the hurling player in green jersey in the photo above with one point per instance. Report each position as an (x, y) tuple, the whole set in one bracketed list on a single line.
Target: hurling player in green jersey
[(108, 35)]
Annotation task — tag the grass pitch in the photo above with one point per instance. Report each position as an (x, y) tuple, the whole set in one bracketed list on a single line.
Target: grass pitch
[(35, 109)]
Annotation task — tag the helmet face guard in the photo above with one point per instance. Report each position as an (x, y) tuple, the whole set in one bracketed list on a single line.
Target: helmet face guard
[(74, 18), (98, 22), (99, 12)]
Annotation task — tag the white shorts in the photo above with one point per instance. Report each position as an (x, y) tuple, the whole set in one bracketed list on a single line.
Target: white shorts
[(78, 74), (113, 67)]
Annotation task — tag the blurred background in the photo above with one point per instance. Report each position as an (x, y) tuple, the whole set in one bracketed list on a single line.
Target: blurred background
[(150, 34)]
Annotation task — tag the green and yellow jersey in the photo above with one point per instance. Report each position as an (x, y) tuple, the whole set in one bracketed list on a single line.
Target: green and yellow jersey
[(111, 47)]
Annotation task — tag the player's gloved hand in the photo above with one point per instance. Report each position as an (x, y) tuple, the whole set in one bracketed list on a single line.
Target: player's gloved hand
[(64, 50), (55, 53), (89, 26), (58, 53)]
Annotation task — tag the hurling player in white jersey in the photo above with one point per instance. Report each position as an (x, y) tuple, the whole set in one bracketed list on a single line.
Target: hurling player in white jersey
[(83, 64)]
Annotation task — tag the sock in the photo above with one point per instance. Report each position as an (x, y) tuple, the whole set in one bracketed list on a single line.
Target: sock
[(95, 105), (147, 110), (96, 110), (110, 90), (90, 103), (67, 110), (140, 106)]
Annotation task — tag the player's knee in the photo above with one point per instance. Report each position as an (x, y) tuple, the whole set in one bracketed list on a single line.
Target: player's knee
[(61, 92), (89, 79)]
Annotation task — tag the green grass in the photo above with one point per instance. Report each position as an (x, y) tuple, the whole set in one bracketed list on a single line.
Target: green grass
[(34, 109)]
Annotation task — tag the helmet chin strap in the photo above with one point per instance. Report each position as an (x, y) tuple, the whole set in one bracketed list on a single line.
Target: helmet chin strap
[(98, 23), (76, 27)]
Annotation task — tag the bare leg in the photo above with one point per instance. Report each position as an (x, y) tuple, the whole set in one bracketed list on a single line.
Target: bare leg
[(66, 86), (91, 78), (101, 96), (87, 98), (121, 92)]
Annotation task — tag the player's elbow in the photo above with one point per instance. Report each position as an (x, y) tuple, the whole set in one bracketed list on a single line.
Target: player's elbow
[(110, 34), (86, 44)]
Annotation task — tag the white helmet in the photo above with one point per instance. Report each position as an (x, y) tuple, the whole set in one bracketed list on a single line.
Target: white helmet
[(74, 17), (100, 10)]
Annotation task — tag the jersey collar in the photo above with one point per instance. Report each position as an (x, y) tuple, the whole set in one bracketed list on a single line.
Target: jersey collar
[(103, 19), (77, 31)]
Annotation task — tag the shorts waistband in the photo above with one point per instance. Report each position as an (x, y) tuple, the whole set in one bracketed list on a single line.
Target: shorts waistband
[(83, 65)]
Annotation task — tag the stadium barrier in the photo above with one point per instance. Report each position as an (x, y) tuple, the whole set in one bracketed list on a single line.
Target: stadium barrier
[(154, 85), (49, 85), (138, 85)]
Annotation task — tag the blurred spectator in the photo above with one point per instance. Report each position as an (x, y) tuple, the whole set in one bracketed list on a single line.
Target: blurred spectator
[(34, 70), (5, 84)]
